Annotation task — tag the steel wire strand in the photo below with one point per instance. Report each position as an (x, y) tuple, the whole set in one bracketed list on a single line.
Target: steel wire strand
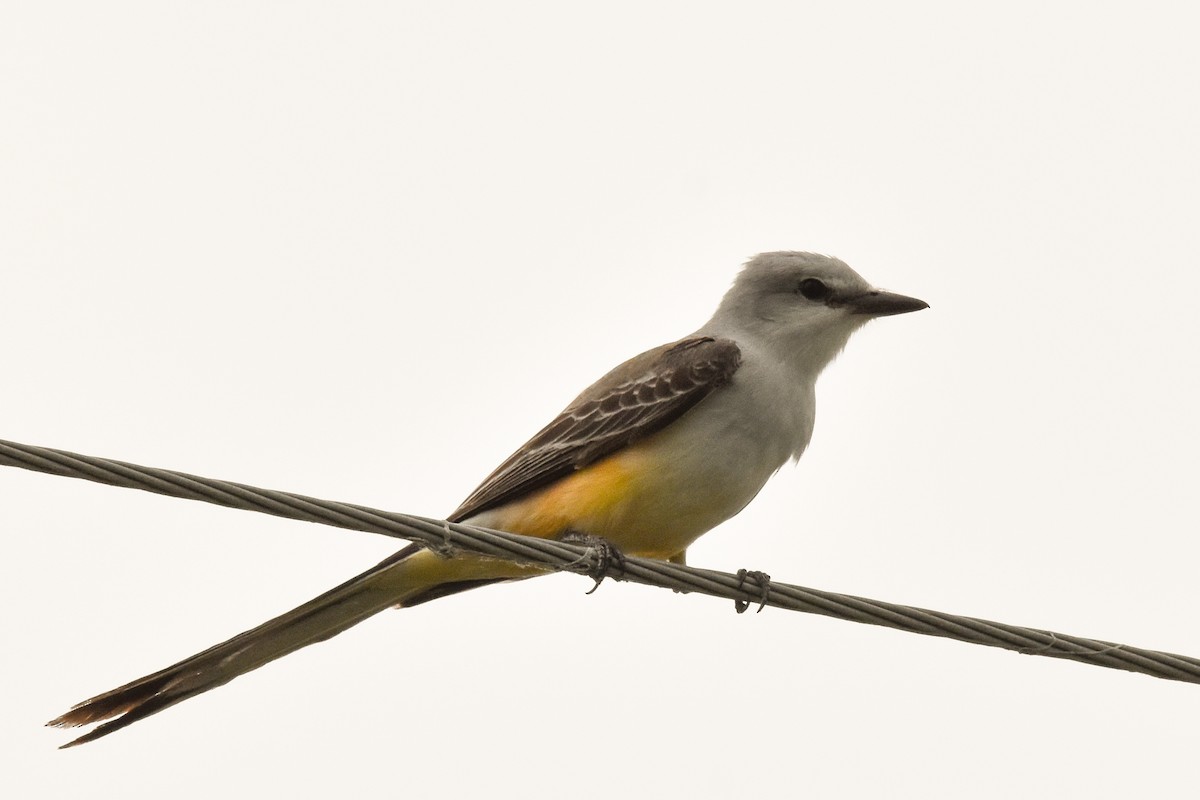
[(446, 537)]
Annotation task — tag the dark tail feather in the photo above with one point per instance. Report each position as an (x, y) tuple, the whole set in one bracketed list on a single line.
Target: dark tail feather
[(317, 620)]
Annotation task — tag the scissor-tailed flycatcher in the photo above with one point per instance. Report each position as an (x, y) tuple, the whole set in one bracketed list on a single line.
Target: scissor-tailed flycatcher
[(658, 451)]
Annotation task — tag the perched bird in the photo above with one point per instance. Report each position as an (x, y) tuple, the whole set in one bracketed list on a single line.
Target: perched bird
[(655, 453)]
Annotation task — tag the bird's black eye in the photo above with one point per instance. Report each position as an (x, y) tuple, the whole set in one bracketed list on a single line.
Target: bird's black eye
[(813, 289)]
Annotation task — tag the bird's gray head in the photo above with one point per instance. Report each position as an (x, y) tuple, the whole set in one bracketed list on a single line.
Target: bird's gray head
[(805, 304)]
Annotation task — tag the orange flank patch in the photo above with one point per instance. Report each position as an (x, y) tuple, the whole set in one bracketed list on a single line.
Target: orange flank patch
[(632, 498), (642, 504), (591, 494)]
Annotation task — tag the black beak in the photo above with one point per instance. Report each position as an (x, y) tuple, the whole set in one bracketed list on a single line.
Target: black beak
[(883, 304)]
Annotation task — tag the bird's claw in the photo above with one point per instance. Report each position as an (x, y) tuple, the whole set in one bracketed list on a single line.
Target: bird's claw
[(764, 588), (610, 561)]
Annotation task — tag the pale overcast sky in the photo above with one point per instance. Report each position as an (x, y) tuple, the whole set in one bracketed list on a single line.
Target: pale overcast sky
[(364, 250)]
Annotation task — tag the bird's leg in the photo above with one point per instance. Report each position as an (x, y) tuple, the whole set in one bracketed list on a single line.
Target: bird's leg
[(607, 556), (764, 587), (679, 558)]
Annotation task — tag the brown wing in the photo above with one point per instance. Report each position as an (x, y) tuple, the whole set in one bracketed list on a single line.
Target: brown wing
[(638, 398)]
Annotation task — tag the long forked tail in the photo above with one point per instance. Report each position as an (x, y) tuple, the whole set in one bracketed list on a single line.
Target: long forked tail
[(403, 578)]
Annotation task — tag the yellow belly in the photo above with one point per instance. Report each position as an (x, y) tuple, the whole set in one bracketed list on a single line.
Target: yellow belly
[(643, 506), (643, 502)]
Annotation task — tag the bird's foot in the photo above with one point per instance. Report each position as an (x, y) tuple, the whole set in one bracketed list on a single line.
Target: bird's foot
[(764, 588), (610, 562)]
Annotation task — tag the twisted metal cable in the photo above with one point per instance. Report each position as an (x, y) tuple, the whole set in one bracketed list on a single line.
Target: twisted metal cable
[(445, 537)]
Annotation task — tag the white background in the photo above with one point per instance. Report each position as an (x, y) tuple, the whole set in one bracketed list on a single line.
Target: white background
[(364, 250)]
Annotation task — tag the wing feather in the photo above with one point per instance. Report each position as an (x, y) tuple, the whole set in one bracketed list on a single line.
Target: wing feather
[(638, 398)]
